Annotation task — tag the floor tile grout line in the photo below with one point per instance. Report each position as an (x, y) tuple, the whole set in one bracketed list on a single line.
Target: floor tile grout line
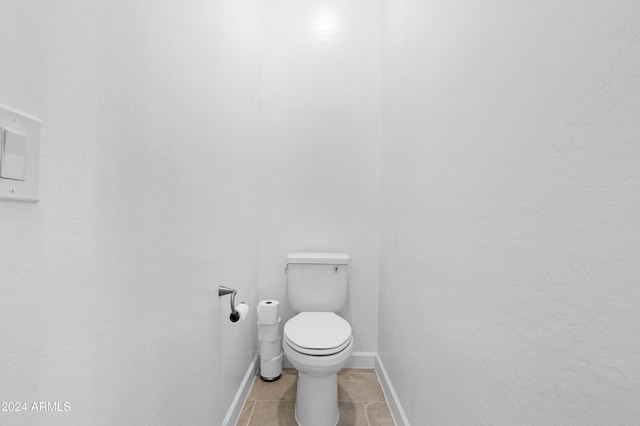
[(366, 416), (253, 383), (251, 414)]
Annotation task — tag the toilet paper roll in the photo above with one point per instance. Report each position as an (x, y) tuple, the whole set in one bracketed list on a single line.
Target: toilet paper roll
[(270, 348), (268, 311), (269, 331), (243, 310), (271, 368)]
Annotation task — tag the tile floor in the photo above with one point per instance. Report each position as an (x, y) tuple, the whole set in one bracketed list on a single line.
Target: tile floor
[(360, 400)]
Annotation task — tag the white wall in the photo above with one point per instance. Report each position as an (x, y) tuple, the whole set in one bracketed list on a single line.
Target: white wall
[(510, 182), (148, 203), (510, 172), (320, 146)]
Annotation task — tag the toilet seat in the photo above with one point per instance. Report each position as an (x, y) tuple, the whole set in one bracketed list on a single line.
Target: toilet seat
[(317, 333)]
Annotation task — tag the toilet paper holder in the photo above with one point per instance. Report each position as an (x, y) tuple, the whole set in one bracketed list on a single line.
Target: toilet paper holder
[(223, 291)]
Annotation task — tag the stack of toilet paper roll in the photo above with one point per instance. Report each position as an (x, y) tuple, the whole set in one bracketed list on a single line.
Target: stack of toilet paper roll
[(269, 340)]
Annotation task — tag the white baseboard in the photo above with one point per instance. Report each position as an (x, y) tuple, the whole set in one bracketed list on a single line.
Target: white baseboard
[(357, 360), (399, 417), (362, 360), (241, 396), (285, 362)]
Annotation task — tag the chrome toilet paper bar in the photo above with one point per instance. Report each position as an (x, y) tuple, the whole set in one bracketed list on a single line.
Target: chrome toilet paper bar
[(223, 291)]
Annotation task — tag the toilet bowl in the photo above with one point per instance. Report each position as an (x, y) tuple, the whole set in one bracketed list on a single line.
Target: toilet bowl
[(318, 345)]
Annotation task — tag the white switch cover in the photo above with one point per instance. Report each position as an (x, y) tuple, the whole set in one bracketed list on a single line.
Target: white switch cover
[(14, 155), (19, 156)]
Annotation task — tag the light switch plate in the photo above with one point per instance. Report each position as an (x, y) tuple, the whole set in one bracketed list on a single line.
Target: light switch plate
[(19, 156), (13, 152)]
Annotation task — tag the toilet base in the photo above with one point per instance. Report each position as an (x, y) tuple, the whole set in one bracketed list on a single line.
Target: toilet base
[(317, 400), (317, 395)]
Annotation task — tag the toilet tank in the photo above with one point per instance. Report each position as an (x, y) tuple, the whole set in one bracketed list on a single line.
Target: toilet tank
[(317, 282)]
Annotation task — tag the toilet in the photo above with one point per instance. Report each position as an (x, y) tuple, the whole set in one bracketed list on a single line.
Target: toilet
[(317, 341)]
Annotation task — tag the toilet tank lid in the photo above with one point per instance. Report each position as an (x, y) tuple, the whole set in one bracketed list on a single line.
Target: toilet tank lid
[(318, 258)]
